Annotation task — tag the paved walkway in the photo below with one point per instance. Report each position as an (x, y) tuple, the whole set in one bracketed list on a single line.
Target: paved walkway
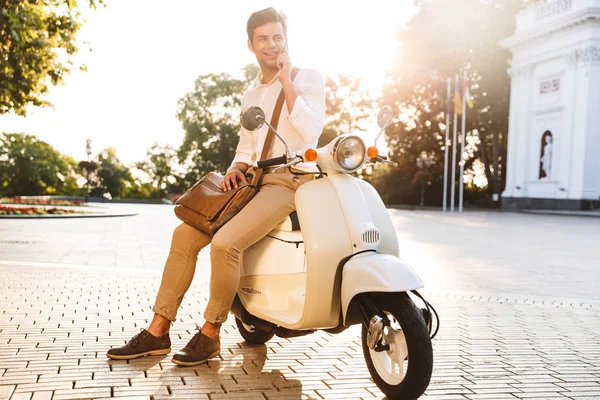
[(516, 293)]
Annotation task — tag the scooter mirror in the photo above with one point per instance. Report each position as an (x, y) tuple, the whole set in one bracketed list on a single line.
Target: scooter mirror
[(384, 116), (252, 118)]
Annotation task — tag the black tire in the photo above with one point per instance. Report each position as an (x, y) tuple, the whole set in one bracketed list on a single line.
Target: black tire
[(420, 352), (253, 337)]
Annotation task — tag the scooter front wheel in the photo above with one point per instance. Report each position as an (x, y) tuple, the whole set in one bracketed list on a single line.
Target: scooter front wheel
[(402, 364), (253, 335)]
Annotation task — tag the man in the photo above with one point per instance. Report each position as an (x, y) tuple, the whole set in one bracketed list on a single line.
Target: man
[(301, 123)]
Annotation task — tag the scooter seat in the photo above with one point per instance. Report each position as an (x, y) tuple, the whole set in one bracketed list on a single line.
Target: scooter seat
[(290, 224)]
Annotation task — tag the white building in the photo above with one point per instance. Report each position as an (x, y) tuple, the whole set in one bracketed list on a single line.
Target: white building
[(554, 127)]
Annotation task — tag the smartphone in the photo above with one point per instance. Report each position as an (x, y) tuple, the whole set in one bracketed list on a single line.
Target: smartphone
[(285, 50)]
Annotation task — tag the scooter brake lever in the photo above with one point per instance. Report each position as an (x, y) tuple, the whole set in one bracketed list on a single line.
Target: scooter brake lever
[(295, 160), (383, 159)]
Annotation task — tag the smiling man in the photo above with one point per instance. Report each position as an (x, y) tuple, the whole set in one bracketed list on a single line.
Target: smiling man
[(300, 125)]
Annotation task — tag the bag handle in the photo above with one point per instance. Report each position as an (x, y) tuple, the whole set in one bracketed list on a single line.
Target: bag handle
[(271, 134)]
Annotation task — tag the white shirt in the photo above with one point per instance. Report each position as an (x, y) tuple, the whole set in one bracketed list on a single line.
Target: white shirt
[(301, 128)]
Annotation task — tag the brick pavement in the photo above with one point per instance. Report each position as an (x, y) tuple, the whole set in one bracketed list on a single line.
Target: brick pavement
[(56, 325), (517, 296)]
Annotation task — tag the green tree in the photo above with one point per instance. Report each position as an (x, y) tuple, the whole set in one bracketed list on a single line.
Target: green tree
[(210, 118), (441, 40), (37, 42), (113, 177), (29, 166), (161, 167)]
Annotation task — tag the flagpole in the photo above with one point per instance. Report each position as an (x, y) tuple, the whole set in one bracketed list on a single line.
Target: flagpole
[(453, 179), (462, 145), (449, 100)]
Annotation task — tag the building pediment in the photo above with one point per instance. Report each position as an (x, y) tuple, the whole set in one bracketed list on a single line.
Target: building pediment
[(547, 18)]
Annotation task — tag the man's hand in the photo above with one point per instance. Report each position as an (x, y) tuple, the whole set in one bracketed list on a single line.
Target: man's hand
[(231, 179), (285, 66), (285, 77)]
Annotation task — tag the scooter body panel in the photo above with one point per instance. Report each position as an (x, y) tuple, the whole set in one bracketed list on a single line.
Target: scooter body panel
[(273, 278), (275, 254), (381, 219), (327, 241), (372, 272), (339, 216)]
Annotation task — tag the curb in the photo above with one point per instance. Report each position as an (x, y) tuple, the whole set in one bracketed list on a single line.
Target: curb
[(437, 208), (510, 298), (82, 267), (52, 216), (593, 214)]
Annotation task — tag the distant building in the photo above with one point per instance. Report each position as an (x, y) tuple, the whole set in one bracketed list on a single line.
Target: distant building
[(554, 127)]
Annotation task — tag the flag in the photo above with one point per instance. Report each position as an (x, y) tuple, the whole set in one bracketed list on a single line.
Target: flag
[(457, 99), (466, 93)]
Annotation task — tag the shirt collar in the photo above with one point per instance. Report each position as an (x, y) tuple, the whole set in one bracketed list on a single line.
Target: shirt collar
[(258, 80)]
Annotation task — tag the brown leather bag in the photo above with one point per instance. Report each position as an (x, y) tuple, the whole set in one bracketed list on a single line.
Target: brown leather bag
[(206, 207)]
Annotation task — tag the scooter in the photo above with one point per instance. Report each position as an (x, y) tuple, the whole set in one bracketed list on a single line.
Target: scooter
[(335, 263)]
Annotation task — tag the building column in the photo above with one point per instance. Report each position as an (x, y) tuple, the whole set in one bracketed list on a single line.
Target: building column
[(524, 131), (511, 155), (590, 61)]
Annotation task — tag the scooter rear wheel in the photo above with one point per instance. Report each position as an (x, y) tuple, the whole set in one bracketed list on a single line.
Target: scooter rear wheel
[(403, 371), (253, 335)]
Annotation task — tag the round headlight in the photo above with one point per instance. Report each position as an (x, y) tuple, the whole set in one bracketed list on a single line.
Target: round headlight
[(349, 153)]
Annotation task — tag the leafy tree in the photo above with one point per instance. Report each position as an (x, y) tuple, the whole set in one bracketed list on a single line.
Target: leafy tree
[(29, 166), (440, 41), (113, 177), (210, 117), (35, 36), (161, 166)]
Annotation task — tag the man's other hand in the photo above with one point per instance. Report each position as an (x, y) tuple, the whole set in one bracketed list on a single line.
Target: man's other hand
[(231, 179)]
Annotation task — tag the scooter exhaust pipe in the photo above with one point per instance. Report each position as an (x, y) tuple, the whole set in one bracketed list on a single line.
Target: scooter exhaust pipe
[(237, 309)]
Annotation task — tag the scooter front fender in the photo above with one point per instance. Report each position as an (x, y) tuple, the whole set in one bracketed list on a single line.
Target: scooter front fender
[(372, 272)]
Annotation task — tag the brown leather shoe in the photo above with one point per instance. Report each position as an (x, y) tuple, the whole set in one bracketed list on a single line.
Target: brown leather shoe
[(142, 344), (198, 351)]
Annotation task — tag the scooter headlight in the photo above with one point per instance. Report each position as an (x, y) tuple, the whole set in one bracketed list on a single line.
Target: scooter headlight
[(349, 153)]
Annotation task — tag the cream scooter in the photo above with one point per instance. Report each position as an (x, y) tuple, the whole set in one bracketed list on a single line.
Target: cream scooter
[(335, 263)]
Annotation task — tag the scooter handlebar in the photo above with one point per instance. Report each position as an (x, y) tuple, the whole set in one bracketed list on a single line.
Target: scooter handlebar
[(272, 162)]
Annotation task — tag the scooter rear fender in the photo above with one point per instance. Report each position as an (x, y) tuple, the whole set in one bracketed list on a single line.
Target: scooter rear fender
[(372, 272)]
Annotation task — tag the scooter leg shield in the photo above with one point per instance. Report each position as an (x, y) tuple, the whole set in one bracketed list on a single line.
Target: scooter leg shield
[(376, 273)]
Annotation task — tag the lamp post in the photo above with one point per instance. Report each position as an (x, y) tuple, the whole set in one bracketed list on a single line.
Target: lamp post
[(423, 161), (88, 150)]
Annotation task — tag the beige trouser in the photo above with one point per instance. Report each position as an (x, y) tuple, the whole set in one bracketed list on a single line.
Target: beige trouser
[(273, 203)]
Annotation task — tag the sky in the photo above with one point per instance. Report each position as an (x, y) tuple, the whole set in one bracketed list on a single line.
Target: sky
[(146, 54)]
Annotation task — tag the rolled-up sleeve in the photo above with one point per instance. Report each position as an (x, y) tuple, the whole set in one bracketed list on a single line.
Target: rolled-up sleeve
[(308, 113), (243, 152)]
